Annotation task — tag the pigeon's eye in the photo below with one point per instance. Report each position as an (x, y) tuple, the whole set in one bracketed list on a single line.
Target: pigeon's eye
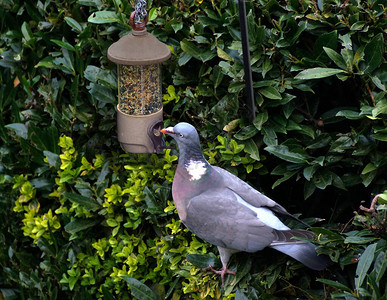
[(181, 135)]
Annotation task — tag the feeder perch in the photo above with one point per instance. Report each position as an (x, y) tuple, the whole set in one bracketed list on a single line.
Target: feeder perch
[(140, 108)]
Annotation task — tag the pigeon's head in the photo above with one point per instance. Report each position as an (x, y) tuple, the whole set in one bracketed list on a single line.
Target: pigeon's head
[(185, 135)]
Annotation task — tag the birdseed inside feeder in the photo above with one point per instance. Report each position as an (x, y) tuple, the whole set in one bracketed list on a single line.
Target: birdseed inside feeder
[(140, 108)]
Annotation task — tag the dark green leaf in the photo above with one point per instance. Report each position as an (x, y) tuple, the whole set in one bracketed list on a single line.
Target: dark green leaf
[(328, 40), (20, 129), (184, 58), (223, 55), (285, 153), (46, 62), (177, 26), (80, 224), (381, 136), (309, 188), (336, 58), (246, 132), (364, 264), (260, 119), (358, 25), (52, 158), (217, 76), (271, 93), (26, 31), (309, 171), (102, 17), (322, 178), (86, 202), (316, 73), (290, 40), (270, 137), (203, 261), (101, 93), (380, 108), (369, 168), (373, 53), (252, 149), (334, 284), (73, 24), (349, 114), (107, 294), (341, 144), (380, 266), (239, 295), (286, 177), (361, 240), (236, 87), (139, 290), (331, 235), (64, 44), (196, 52), (152, 205)]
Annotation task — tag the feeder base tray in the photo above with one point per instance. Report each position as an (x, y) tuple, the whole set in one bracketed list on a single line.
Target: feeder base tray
[(133, 131)]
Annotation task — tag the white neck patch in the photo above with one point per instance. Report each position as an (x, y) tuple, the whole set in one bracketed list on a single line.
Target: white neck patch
[(196, 169)]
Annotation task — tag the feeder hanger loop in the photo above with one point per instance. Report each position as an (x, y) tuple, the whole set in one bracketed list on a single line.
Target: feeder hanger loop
[(139, 16)]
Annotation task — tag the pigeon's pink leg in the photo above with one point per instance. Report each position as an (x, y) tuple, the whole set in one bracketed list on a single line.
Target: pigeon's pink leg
[(222, 272)]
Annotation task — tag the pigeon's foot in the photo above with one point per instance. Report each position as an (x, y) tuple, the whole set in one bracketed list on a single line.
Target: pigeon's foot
[(222, 272)]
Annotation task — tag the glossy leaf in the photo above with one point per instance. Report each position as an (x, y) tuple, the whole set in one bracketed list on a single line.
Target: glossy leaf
[(336, 58), (373, 53), (252, 149), (271, 93), (86, 202), (364, 264), (103, 17), (194, 51), (203, 261), (74, 24), (20, 129), (239, 295), (139, 290), (286, 154), (380, 266), (316, 73), (79, 225), (246, 132), (334, 284)]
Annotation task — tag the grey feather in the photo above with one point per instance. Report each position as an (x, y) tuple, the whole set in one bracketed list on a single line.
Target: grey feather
[(300, 250)]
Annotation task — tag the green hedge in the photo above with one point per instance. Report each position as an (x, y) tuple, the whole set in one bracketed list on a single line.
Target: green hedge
[(82, 219)]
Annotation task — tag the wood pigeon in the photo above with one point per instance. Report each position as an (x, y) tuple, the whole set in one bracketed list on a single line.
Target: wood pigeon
[(225, 211)]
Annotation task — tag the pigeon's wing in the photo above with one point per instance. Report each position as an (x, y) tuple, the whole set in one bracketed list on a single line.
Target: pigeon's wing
[(217, 217), (251, 196)]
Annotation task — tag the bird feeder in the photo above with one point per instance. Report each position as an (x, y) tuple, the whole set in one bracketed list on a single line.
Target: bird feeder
[(140, 108)]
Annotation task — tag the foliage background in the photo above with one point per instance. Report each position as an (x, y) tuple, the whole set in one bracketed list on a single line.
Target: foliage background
[(82, 219)]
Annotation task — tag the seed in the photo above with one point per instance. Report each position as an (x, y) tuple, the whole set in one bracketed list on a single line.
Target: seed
[(139, 89)]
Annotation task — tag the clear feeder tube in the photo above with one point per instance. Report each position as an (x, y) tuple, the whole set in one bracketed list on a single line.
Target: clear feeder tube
[(139, 89)]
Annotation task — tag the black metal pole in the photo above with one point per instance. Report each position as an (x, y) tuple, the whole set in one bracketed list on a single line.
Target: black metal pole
[(246, 60)]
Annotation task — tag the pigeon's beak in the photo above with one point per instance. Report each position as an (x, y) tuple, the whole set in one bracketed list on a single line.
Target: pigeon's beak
[(168, 130)]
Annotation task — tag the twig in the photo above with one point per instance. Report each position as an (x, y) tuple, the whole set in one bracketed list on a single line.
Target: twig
[(371, 95), (346, 225), (372, 207), (372, 210)]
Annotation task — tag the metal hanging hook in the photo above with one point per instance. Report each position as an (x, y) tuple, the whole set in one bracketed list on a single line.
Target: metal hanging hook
[(140, 10), (139, 16)]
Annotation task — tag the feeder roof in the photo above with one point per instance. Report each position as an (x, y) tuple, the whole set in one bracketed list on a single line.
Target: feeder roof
[(138, 48)]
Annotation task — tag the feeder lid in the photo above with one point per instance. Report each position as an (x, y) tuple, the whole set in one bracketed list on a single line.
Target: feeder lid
[(138, 48)]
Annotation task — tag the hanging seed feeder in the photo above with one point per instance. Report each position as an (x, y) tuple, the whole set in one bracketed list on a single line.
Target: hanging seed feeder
[(140, 108)]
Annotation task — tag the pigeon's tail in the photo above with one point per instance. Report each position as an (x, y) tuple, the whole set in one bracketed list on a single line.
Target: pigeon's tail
[(303, 251)]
